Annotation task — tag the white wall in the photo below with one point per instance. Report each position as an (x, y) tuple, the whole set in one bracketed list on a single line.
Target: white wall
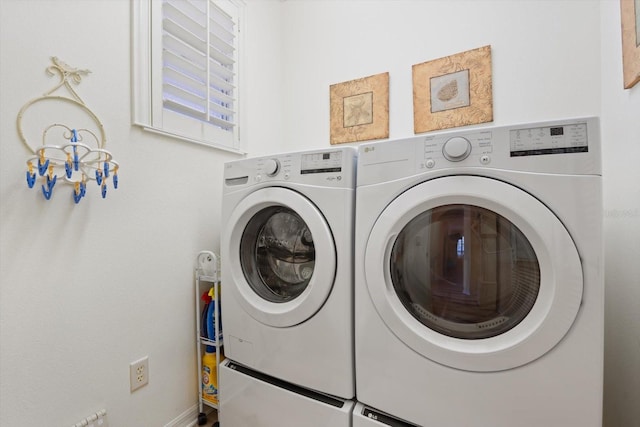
[(621, 174), (546, 61), (87, 289), (551, 59)]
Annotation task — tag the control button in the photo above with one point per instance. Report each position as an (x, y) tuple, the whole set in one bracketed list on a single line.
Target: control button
[(456, 149), (287, 176), (430, 163), (258, 178), (485, 160), (271, 167)]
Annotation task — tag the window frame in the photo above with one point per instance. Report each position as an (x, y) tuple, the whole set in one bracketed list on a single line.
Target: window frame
[(147, 109)]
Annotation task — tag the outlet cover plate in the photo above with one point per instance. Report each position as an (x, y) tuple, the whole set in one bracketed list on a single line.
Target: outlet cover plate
[(139, 373)]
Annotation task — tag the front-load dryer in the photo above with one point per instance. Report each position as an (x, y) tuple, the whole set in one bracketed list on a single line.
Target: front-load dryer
[(479, 276), (253, 399), (287, 267)]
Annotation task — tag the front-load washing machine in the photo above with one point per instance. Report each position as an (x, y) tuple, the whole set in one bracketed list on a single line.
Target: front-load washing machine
[(479, 276), (253, 399), (287, 267)]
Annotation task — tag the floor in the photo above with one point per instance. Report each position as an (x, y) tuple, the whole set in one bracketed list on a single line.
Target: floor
[(212, 417)]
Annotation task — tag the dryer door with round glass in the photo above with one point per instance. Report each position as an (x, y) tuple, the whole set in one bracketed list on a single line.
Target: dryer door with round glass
[(473, 273), (286, 263)]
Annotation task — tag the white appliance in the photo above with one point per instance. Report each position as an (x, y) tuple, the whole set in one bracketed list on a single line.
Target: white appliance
[(287, 275), (365, 416), (252, 399), (479, 276)]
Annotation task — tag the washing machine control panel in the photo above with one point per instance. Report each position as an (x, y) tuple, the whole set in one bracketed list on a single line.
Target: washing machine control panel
[(327, 167), (271, 167)]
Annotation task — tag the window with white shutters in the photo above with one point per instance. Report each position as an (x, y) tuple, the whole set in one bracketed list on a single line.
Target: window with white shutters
[(188, 83)]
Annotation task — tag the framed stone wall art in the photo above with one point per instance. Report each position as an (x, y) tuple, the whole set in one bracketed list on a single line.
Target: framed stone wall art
[(630, 22), (359, 109), (453, 91)]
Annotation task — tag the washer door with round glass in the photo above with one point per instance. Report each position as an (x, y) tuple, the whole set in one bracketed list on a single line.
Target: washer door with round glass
[(286, 259), (473, 273)]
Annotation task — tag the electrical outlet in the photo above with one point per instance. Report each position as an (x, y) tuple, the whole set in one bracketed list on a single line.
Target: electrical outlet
[(139, 373)]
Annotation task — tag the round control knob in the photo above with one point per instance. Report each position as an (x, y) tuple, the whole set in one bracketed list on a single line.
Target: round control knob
[(271, 167), (456, 149)]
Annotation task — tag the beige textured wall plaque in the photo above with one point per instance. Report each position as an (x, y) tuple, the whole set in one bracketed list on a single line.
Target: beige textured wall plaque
[(630, 20), (453, 91), (360, 109)]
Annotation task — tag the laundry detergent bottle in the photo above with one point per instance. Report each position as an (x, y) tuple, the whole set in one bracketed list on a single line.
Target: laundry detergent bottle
[(209, 375), (212, 328)]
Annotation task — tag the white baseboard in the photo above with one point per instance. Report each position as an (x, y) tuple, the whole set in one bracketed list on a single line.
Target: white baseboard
[(188, 418)]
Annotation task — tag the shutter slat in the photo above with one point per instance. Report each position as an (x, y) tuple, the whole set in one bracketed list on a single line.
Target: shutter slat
[(186, 18), (190, 37), (177, 94), (177, 79), (188, 68), (224, 47), (220, 109), (222, 123), (183, 109), (221, 57), (187, 37), (223, 71), (183, 52), (222, 96)]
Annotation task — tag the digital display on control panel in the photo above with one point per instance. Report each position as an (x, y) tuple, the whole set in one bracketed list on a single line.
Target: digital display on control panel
[(560, 139), (321, 162)]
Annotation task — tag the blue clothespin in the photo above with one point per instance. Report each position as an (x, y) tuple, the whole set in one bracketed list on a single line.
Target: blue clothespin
[(31, 179), (106, 169), (68, 168), (104, 189), (42, 166), (99, 176), (74, 135), (47, 194), (48, 191), (31, 175), (115, 180), (51, 182), (76, 161), (77, 191)]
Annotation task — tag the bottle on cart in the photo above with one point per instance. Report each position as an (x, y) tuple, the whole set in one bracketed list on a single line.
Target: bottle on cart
[(212, 330), (209, 375), (206, 299)]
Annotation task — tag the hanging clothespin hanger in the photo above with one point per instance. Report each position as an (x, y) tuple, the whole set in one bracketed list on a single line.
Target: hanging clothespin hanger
[(78, 153)]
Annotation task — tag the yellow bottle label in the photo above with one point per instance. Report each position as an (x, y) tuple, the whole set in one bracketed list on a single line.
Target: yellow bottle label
[(209, 382)]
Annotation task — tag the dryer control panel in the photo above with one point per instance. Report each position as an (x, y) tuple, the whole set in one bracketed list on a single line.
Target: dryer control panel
[(559, 147)]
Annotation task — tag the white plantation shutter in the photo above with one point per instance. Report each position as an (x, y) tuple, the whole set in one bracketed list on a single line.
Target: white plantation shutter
[(195, 46)]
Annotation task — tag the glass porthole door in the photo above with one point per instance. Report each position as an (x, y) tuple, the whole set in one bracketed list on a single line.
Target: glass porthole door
[(285, 264), (277, 254), (473, 273), (464, 271)]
